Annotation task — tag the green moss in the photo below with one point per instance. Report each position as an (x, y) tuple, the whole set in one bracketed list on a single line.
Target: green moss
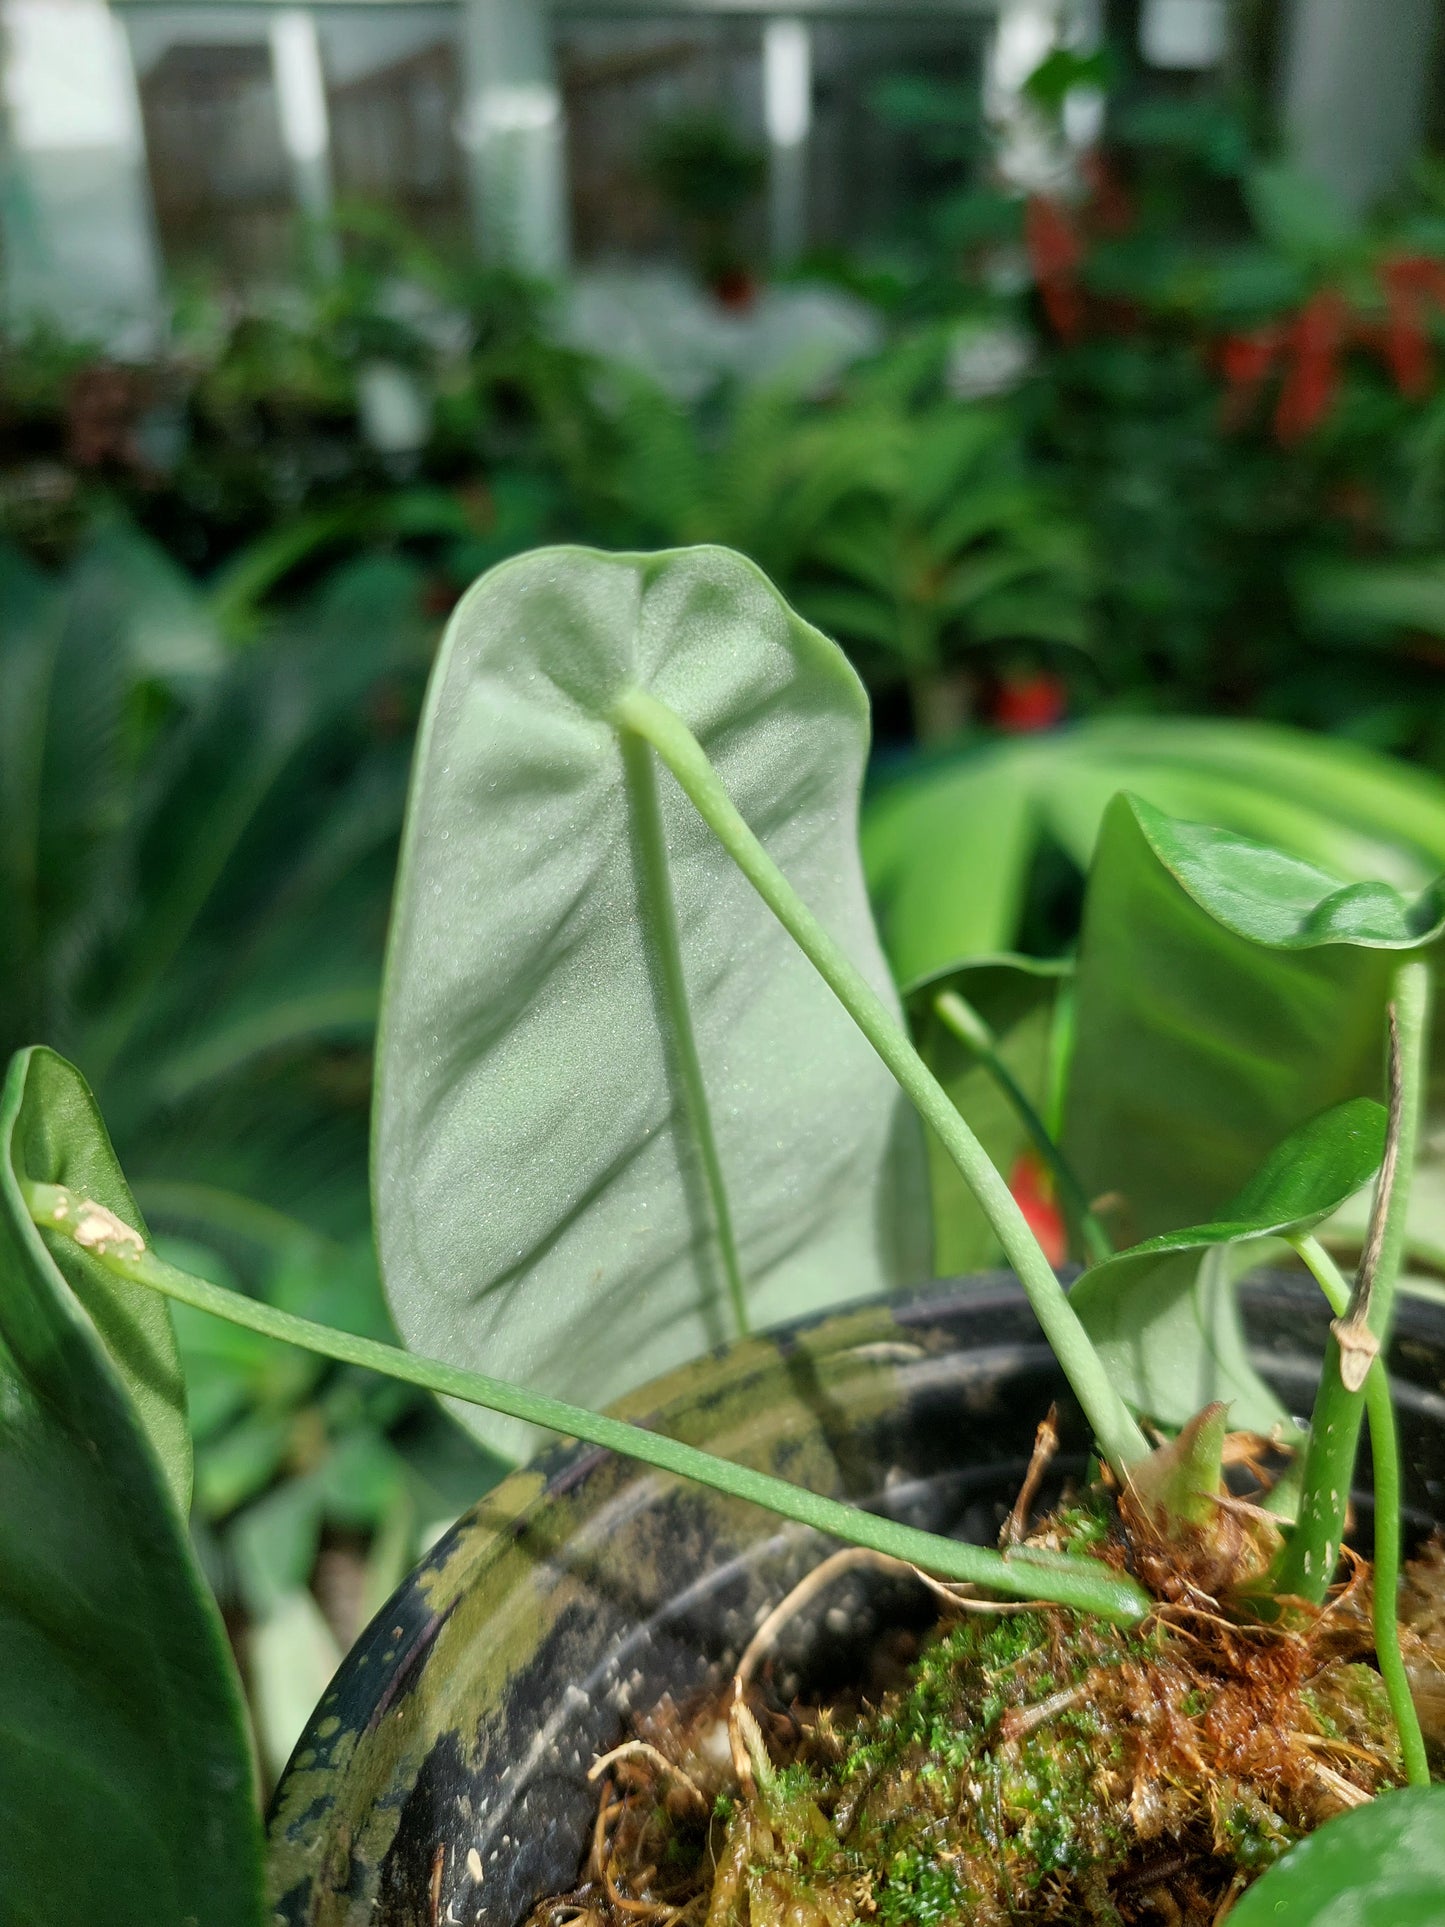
[(918, 1891), (1255, 1833), (1349, 1704), (997, 1785), (1036, 1767)]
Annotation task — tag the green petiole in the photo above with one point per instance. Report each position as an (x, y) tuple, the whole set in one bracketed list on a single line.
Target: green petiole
[(1084, 1584), (657, 879), (1309, 1561), (1385, 1453), (1115, 1431), (957, 1015)]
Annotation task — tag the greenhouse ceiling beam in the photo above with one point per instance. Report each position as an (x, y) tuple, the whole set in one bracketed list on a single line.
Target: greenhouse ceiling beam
[(877, 10), (819, 9)]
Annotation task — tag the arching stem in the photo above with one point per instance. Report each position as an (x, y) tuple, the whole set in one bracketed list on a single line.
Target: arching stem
[(1116, 1434), (1085, 1584)]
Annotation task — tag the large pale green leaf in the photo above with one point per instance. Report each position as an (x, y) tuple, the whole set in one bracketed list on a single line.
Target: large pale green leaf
[(1162, 1314), (58, 1136), (126, 1790), (1016, 997), (1383, 1865), (580, 986), (950, 848), (1199, 1046)]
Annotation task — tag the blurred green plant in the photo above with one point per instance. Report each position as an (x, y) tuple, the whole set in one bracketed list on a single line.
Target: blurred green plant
[(1234, 381), (915, 530), (196, 851), (934, 541), (707, 176), (407, 394), (985, 850), (1175, 437)]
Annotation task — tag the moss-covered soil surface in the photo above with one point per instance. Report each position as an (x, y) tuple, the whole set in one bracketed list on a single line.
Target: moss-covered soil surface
[(1029, 1766)]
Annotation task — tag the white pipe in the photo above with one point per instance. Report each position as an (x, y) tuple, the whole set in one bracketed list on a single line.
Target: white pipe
[(301, 105), (788, 118)]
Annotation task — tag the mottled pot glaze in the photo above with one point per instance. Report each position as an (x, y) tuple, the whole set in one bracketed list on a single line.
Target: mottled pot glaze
[(455, 1740)]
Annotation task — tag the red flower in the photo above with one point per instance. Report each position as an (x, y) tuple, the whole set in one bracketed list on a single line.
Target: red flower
[(1028, 703), (1055, 254), (1033, 1193), (1245, 360), (1404, 340), (1313, 370)]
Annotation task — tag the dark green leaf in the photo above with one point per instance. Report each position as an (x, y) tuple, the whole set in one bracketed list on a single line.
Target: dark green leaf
[(1383, 1865), (1165, 1324), (1275, 899), (57, 1136), (544, 1205), (1199, 1048), (126, 1790)]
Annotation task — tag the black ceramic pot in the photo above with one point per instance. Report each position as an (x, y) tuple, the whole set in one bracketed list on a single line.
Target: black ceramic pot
[(456, 1738)]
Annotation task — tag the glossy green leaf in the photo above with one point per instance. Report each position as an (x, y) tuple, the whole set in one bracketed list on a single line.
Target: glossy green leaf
[(1016, 997), (598, 1049), (950, 848), (1382, 1865), (126, 1790), (1275, 899), (1200, 1048), (1162, 1314), (58, 1136)]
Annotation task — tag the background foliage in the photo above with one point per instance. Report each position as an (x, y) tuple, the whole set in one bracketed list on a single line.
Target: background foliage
[(1166, 445)]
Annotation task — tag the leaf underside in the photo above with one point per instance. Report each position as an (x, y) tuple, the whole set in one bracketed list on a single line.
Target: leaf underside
[(542, 1186)]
